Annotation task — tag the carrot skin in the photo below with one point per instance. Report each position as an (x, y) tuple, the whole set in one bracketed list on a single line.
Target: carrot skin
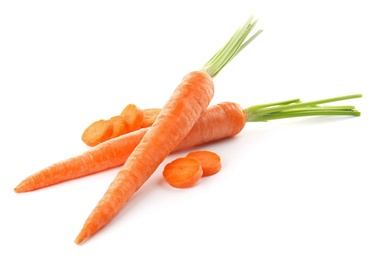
[(106, 155), (188, 101), (213, 125), (219, 121)]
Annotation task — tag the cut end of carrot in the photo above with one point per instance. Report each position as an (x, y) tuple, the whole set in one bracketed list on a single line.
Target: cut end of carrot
[(98, 132), (133, 116), (210, 161), (183, 172)]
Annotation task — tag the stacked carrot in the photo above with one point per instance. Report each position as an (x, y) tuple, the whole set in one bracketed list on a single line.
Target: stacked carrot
[(139, 140), (130, 119)]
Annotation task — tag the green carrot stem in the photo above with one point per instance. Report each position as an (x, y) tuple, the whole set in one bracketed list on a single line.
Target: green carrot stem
[(236, 44), (295, 108), (283, 115), (286, 102)]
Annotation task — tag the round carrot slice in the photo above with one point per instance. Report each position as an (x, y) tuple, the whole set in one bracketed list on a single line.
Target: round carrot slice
[(120, 126), (133, 116), (98, 132), (210, 161), (150, 115), (183, 172)]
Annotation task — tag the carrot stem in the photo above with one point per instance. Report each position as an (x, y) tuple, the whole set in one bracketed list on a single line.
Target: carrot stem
[(296, 108), (235, 44)]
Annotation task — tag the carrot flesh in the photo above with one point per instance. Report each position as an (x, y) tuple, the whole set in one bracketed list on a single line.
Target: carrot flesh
[(119, 125), (183, 172), (133, 116), (97, 132), (150, 115), (210, 161)]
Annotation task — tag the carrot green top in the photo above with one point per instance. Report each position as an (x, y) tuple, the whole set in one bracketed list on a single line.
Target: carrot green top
[(296, 108), (231, 48)]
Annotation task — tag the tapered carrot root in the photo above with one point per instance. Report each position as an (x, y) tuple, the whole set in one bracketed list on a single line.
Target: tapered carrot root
[(213, 125), (210, 161), (183, 172), (104, 156), (176, 119)]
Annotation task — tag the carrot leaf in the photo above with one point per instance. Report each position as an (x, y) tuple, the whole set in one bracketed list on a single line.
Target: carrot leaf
[(296, 108), (231, 48)]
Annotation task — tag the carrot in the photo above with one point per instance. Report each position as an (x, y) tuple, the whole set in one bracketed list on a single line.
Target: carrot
[(119, 125), (183, 172), (213, 125), (133, 116), (210, 161), (97, 132), (150, 115), (219, 121), (179, 114)]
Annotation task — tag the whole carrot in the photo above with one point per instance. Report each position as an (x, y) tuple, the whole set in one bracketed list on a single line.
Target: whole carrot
[(219, 121), (179, 114), (257, 113)]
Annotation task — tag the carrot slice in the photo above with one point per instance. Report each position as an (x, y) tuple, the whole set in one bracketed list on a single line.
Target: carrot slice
[(150, 115), (210, 161), (98, 132), (120, 126), (133, 116), (183, 172)]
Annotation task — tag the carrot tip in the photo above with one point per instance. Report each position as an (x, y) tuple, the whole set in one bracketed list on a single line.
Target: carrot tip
[(20, 188), (79, 239)]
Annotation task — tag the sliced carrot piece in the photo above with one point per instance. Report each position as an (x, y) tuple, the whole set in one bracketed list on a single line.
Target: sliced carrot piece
[(120, 126), (210, 161), (183, 172), (150, 115), (98, 132), (133, 116)]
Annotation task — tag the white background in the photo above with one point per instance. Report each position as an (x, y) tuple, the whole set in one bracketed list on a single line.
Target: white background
[(309, 188)]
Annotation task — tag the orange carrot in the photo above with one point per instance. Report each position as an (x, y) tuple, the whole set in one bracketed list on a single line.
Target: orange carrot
[(150, 115), (119, 125), (133, 116), (210, 161), (179, 114), (219, 121), (183, 172), (98, 132)]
